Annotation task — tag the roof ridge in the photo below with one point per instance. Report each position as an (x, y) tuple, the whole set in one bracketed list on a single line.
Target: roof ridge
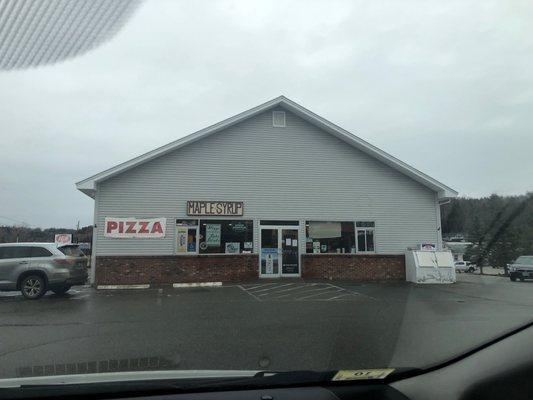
[(88, 185)]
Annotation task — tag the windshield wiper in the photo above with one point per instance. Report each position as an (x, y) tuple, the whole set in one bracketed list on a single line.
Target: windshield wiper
[(257, 380)]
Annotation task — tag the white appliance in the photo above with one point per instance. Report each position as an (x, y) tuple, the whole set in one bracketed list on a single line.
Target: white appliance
[(429, 266)]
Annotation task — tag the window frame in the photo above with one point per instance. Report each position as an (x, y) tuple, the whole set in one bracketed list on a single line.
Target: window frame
[(17, 250), (365, 229), (280, 113), (197, 226), (306, 229), (50, 254), (9, 258), (227, 218)]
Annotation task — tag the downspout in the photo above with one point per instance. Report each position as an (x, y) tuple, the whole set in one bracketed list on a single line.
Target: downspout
[(92, 275), (439, 221)]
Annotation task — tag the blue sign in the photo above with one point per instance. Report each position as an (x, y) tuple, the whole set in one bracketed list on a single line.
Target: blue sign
[(266, 250)]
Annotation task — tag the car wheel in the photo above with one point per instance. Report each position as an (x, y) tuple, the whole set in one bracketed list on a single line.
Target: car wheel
[(522, 279), (33, 287), (61, 290), (470, 269)]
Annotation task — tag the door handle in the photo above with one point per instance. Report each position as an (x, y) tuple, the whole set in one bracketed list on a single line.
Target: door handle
[(23, 262)]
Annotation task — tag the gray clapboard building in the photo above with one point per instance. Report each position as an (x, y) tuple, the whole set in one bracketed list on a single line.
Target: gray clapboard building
[(272, 192)]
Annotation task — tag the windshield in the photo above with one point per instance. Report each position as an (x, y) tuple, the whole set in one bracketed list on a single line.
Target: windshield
[(266, 186), (525, 260)]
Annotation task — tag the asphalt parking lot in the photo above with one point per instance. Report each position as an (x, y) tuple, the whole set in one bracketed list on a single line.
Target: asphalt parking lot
[(284, 325)]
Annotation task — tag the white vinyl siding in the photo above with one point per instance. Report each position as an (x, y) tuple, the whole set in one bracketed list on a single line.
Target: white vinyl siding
[(296, 173)]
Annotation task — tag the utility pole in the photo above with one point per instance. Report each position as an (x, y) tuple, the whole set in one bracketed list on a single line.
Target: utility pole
[(78, 226)]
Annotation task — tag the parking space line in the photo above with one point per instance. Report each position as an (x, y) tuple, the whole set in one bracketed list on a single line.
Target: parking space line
[(291, 289), (276, 292), (258, 286), (293, 293), (339, 296), (250, 293), (340, 287), (271, 288), (311, 296), (354, 292), (315, 290), (299, 291), (288, 290), (317, 293)]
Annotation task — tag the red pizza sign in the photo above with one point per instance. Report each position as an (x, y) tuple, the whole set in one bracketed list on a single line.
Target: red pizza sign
[(62, 239), (135, 227)]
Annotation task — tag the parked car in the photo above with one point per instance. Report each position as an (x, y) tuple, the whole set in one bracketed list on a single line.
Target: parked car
[(464, 266), (521, 269), (35, 268)]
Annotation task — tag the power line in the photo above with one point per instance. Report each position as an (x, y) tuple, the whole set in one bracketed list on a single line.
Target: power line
[(18, 221)]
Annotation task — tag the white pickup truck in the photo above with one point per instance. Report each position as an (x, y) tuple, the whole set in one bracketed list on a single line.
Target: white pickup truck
[(521, 269)]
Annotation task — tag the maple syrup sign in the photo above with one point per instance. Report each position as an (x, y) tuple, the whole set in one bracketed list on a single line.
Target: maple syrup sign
[(216, 208), (148, 228)]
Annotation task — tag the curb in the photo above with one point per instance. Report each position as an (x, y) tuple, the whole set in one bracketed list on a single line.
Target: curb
[(145, 286), (196, 284)]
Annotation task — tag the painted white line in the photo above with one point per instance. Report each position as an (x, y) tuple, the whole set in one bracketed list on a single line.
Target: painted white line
[(294, 291), (338, 287), (289, 289), (273, 288), (276, 286), (258, 286), (316, 289), (250, 293), (338, 297), (114, 287), (316, 294), (289, 294), (196, 284), (354, 292)]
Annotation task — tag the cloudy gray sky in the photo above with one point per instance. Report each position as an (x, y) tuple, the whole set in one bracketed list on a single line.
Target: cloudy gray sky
[(444, 86)]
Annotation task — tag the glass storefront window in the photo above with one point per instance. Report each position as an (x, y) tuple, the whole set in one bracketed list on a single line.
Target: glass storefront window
[(329, 237), (186, 236), (226, 236), (365, 236)]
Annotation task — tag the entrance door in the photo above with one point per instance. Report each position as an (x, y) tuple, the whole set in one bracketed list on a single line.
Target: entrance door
[(279, 251)]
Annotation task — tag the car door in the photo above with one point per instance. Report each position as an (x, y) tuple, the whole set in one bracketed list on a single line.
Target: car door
[(12, 263)]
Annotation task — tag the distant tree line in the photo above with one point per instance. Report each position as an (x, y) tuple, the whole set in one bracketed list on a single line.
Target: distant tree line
[(500, 227), (10, 234)]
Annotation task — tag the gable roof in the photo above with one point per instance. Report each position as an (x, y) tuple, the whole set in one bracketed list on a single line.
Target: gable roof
[(88, 186)]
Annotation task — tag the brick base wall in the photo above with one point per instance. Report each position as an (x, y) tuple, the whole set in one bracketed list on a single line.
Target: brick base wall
[(354, 267), (130, 270)]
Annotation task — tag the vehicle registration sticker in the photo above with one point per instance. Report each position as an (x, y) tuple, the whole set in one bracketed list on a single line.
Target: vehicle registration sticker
[(361, 374)]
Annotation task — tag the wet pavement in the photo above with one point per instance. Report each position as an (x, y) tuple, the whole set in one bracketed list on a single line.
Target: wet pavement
[(264, 325)]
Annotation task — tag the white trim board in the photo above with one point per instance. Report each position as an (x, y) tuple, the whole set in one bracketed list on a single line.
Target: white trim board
[(88, 186)]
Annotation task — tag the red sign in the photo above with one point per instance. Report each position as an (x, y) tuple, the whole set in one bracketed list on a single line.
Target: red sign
[(428, 246), (62, 239), (135, 227)]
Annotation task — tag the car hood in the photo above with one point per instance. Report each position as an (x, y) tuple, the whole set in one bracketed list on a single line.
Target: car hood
[(123, 377)]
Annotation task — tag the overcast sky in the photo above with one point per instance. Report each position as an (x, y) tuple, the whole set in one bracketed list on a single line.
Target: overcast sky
[(444, 86)]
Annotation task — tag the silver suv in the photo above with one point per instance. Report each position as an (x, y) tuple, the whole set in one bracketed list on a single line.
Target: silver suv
[(35, 268)]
